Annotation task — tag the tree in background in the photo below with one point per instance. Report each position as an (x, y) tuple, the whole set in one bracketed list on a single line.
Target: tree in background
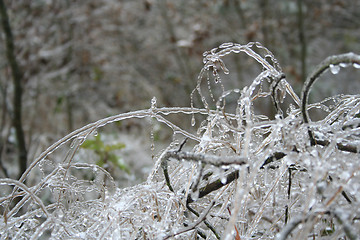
[(17, 76)]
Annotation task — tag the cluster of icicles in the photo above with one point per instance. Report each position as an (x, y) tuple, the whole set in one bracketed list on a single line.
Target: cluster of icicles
[(247, 176)]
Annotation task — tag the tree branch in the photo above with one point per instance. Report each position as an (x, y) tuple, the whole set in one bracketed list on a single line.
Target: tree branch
[(215, 185), (349, 58), (207, 159)]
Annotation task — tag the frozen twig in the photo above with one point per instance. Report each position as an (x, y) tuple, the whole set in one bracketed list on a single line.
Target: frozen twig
[(201, 218), (27, 190), (217, 161), (204, 158), (205, 221), (215, 185)]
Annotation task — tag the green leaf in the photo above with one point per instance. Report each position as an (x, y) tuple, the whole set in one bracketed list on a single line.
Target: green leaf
[(95, 144), (119, 163), (100, 163), (112, 147)]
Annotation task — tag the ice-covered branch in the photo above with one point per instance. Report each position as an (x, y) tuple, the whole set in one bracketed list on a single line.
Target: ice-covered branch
[(201, 218), (207, 158), (332, 62)]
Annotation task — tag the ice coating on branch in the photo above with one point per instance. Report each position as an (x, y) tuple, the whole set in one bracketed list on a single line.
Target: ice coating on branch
[(238, 174)]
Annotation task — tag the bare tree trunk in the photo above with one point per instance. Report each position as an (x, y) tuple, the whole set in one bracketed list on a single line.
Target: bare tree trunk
[(17, 77), (302, 39), (264, 7)]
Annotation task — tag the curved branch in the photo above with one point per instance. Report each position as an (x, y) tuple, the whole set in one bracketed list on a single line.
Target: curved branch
[(22, 186), (276, 82), (347, 58)]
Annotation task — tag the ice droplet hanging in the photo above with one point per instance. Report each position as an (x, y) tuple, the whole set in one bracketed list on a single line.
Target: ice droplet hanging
[(335, 69)]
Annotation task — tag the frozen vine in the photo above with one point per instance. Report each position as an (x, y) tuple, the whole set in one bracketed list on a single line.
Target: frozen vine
[(245, 175)]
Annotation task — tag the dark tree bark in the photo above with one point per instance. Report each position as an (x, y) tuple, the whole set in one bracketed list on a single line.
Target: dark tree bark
[(302, 39), (17, 78)]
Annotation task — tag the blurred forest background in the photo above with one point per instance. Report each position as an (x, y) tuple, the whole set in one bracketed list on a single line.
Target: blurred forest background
[(84, 60)]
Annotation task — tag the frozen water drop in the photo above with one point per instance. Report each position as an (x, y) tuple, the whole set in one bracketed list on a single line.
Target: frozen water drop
[(344, 65), (223, 180), (18, 224), (39, 214), (335, 69), (193, 122), (356, 65), (153, 102), (96, 133)]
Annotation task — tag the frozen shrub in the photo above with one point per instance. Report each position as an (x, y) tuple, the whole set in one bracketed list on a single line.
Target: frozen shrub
[(235, 174)]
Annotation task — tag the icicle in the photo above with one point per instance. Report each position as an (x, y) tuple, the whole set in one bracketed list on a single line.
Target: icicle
[(223, 67), (335, 69), (344, 65), (193, 122), (73, 143), (153, 103), (356, 65)]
